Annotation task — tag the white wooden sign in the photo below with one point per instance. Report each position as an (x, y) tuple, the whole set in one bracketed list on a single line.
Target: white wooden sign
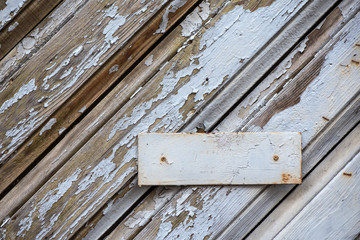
[(221, 158)]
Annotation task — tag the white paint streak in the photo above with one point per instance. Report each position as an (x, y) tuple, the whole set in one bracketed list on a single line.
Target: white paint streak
[(12, 6), (149, 60), (61, 130), (82, 109), (195, 19), (173, 6), (114, 68), (52, 196), (48, 125), (13, 26), (24, 90)]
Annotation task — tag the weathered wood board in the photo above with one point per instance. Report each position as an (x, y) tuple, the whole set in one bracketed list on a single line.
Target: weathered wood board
[(216, 159), (80, 79)]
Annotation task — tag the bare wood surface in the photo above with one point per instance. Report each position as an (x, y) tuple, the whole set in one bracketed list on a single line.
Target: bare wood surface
[(23, 23), (164, 223), (86, 95), (117, 172), (97, 117)]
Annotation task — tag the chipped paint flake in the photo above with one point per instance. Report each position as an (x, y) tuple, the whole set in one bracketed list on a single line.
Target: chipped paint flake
[(149, 60), (114, 68), (82, 109), (13, 26), (194, 20), (11, 8), (48, 125), (24, 90), (173, 6), (61, 130)]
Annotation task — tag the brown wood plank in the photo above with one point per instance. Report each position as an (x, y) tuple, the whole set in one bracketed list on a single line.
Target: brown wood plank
[(23, 23), (37, 38), (9, 9), (87, 94), (83, 131)]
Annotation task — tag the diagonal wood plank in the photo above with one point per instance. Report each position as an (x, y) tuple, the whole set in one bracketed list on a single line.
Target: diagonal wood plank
[(58, 69), (289, 67), (119, 169), (24, 22), (310, 187), (9, 9), (37, 38), (97, 117), (195, 216), (334, 213), (87, 94)]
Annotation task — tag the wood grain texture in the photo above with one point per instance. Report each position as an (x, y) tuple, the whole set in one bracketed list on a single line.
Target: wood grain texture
[(163, 224), (156, 101), (9, 9), (36, 39), (334, 213), (23, 23), (64, 68), (219, 159), (98, 116), (311, 186), (88, 93)]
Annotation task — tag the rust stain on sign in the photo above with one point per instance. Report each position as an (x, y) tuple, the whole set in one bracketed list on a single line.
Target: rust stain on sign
[(221, 158)]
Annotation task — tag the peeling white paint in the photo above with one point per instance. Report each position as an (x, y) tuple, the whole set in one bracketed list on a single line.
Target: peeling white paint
[(25, 224), (173, 6), (66, 73), (149, 60), (116, 183), (48, 125), (52, 196), (12, 6), (23, 90), (114, 68), (195, 19), (24, 126), (319, 92), (113, 25), (82, 109), (13, 26), (61, 130), (142, 217)]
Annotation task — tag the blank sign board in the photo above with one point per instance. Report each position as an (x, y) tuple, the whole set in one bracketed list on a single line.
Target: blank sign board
[(219, 159)]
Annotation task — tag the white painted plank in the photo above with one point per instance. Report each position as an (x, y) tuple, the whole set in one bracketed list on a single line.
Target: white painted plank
[(226, 206), (222, 158), (310, 187), (334, 213)]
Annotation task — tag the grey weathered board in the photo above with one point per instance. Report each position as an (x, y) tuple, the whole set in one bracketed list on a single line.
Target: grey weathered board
[(80, 79), (222, 158)]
